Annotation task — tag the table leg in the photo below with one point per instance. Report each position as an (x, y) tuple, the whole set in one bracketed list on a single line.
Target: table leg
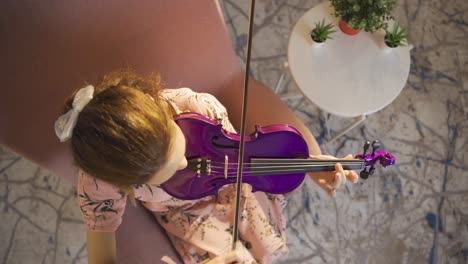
[(326, 117), (356, 122), (281, 78)]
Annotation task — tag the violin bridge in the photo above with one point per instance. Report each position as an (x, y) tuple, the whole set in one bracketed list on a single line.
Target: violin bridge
[(226, 162)]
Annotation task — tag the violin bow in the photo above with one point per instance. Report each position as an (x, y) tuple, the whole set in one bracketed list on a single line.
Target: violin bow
[(240, 163)]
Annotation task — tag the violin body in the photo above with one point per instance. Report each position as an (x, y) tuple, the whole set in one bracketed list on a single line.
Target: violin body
[(212, 154), (275, 159)]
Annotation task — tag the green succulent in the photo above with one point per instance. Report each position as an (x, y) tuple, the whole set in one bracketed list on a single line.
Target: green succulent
[(368, 15), (322, 32), (396, 37)]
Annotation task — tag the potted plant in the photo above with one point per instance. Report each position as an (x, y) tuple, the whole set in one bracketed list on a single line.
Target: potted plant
[(396, 37), (367, 15), (321, 32)]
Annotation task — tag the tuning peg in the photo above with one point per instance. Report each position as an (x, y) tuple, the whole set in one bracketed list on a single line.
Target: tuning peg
[(375, 145), (366, 147), (364, 174)]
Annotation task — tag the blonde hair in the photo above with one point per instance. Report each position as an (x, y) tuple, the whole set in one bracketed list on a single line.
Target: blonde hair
[(123, 134)]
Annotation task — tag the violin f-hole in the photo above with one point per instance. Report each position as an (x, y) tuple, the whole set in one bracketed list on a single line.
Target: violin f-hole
[(215, 138)]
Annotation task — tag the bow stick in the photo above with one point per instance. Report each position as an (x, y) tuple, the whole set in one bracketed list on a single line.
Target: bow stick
[(240, 163)]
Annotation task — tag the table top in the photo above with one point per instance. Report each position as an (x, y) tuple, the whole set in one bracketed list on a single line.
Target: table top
[(347, 75)]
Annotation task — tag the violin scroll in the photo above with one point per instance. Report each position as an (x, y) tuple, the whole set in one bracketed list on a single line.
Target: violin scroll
[(370, 160)]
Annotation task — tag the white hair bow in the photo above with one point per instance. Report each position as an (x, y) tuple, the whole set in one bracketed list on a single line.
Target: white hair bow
[(66, 122)]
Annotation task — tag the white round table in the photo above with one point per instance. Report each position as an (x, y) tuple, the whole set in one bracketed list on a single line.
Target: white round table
[(347, 75)]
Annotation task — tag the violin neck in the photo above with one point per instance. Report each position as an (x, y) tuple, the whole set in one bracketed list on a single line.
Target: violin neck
[(260, 167)]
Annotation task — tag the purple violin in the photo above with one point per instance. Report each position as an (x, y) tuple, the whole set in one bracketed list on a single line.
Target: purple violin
[(275, 159)]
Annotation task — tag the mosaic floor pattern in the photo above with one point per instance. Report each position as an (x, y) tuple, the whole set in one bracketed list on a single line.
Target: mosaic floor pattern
[(413, 212)]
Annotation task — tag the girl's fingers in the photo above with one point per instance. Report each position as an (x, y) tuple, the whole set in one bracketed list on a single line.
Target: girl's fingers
[(349, 175), (322, 157), (335, 184), (342, 173), (167, 260), (327, 187), (352, 176), (322, 182), (230, 257), (340, 176)]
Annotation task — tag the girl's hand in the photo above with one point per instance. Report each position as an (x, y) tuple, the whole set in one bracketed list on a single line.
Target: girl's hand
[(331, 180), (230, 257), (239, 255)]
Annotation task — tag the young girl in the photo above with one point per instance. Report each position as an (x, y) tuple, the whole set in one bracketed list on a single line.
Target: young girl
[(125, 143)]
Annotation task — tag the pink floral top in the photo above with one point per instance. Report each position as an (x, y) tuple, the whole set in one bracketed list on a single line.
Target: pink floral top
[(199, 229)]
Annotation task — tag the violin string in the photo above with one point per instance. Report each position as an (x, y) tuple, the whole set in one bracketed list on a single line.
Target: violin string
[(255, 165), (283, 164), (288, 163), (273, 168), (253, 173), (295, 160), (270, 169), (216, 169)]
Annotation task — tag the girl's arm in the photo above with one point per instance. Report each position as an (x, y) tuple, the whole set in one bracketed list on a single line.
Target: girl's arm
[(264, 107), (101, 247)]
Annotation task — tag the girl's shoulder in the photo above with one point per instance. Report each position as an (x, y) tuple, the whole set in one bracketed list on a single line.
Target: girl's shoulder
[(186, 100), (177, 92), (96, 188), (99, 197), (102, 204)]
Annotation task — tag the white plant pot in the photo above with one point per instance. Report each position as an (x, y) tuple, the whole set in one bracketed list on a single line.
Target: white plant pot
[(317, 44), (385, 48)]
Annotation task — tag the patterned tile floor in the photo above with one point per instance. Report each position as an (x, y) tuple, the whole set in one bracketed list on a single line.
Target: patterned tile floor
[(414, 212)]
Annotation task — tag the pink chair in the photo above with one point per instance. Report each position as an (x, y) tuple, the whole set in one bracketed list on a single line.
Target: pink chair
[(49, 49)]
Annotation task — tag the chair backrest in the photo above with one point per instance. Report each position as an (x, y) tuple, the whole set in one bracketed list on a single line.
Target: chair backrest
[(49, 49)]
